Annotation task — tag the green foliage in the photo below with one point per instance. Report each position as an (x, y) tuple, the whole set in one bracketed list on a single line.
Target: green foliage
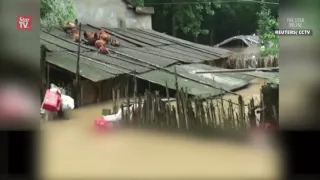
[(266, 26), (189, 15), (54, 12), (140, 2)]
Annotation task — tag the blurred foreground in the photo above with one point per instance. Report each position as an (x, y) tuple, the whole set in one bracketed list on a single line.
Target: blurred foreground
[(72, 150)]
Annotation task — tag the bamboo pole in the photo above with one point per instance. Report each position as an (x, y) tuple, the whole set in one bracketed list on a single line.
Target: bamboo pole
[(239, 70)]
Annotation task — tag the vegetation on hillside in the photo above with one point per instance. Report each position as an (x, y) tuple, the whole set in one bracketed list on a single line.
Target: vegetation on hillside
[(186, 16), (209, 21), (54, 12), (266, 26)]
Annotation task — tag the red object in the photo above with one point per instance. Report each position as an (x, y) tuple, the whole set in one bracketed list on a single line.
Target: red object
[(267, 126), (101, 124), (52, 101), (103, 50)]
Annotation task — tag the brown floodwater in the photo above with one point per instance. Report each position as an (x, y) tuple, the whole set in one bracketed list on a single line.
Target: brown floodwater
[(71, 149)]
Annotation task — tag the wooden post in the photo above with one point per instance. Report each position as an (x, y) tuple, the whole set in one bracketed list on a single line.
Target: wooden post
[(146, 108), (48, 76), (135, 86), (177, 96), (43, 56), (140, 112), (219, 119), (231, 118), (202, 114), (118, 99), (241, 113), (134, 98), (191, 114), (174, 116), (123, 115), (209, 115), (184, 97), (222, 109), (152, 111), (197, 112), (168, 107), (157, 113), (78, 70), (263, 112), (213, 114), (127, 102), (114, 100), (252, 116)]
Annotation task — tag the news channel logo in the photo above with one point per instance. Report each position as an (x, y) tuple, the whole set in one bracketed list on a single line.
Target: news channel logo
[(294, 27), (294, 32)]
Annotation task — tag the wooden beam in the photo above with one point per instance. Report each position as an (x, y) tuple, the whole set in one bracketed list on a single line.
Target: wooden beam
[(48, 76), (77, 71), (238, 70), (43, 56)]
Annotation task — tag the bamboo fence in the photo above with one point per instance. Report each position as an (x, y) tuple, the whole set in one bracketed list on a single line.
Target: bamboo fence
[(243, 61), (186, 113)]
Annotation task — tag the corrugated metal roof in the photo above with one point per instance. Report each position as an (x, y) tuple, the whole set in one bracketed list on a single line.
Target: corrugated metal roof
[(261, 74), (272, 77), (227, 81), (249, 40), (131, 59), (69, 62), (140, 51), (91, 70), (58, 39), (217, 53), (166, 44)]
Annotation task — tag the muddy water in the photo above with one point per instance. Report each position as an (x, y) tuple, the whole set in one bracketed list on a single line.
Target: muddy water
[(72, 150)]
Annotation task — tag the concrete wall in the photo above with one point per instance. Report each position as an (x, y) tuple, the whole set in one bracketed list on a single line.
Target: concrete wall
[(108, 13)]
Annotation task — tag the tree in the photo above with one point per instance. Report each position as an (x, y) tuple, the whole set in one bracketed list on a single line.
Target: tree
[(54, 12), (266, 26), (187, 15)]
